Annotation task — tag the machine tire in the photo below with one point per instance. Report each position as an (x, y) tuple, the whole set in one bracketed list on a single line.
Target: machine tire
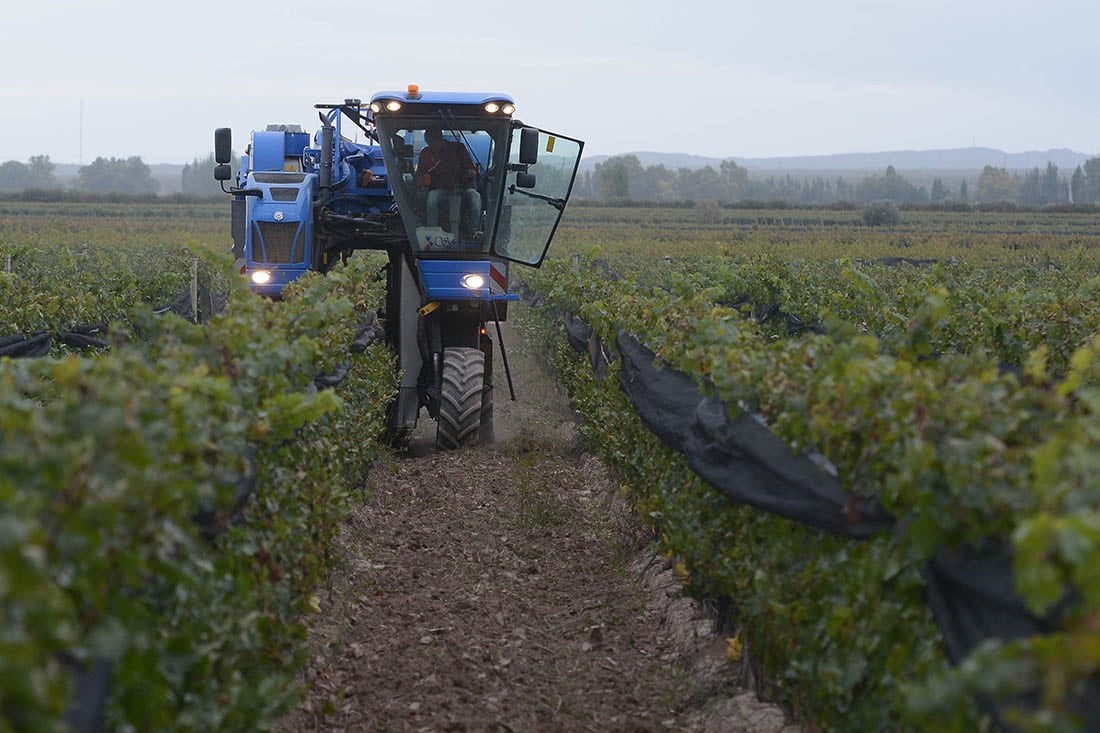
[(459, 421)]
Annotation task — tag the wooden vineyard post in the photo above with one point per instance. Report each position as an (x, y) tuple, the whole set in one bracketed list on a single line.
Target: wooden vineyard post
[(195, 290)]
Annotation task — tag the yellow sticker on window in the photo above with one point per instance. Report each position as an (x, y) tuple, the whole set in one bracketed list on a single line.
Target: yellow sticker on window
[(550, 144)]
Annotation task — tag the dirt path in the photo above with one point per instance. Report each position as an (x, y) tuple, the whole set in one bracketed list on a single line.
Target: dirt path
[(509, 589)]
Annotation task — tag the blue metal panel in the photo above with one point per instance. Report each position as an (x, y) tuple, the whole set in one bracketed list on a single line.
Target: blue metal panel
[(443, 280), (290, 215), (296, 142), (268, 150)]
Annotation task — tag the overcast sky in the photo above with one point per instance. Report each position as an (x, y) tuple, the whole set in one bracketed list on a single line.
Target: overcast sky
[(709, 77)]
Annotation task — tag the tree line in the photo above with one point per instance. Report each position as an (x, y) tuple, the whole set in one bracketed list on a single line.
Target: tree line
[(129, 176), (623, 178)]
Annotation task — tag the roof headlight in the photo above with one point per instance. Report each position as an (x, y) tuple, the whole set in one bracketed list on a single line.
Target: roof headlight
[(492, 108), (393, 106), (473, 281), (375, 107), (508, 109), (261, 277)]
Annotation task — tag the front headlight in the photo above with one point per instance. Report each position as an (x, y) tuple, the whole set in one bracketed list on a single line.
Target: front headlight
[(261, 277), (499, 106), (473, 281)]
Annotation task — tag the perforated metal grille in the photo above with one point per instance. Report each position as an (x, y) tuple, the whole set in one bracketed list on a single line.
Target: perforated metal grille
[(276, 177), (277, 243), (284, 194)]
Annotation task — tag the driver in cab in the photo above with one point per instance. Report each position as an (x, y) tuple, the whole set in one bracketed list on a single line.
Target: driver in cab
[(445, 168)]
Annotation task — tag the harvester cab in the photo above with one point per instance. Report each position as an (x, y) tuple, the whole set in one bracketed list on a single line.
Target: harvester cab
[(452, 188)]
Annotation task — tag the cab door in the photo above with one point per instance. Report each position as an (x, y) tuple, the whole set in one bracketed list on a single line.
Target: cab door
[(542, 167)]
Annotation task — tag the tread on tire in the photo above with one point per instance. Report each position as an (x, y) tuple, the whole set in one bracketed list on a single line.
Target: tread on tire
[(459, 421)]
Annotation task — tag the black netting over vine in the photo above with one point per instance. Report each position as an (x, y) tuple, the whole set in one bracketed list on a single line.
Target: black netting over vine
[(739, 456)]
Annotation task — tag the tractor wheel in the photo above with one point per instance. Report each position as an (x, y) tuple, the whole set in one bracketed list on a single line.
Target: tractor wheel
[(459, 421)]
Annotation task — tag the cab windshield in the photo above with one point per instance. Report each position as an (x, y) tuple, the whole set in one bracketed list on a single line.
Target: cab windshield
[(446, 178)]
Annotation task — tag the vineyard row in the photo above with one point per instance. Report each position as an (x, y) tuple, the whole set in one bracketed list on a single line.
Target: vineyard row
[(169, 507), (964, 457)]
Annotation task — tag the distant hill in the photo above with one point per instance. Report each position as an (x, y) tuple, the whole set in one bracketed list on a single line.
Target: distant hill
[(958, 159)]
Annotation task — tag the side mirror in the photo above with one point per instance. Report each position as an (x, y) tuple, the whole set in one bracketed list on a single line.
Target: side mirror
[(525, 180), (223, 145), (223, 172), (529, 145)]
